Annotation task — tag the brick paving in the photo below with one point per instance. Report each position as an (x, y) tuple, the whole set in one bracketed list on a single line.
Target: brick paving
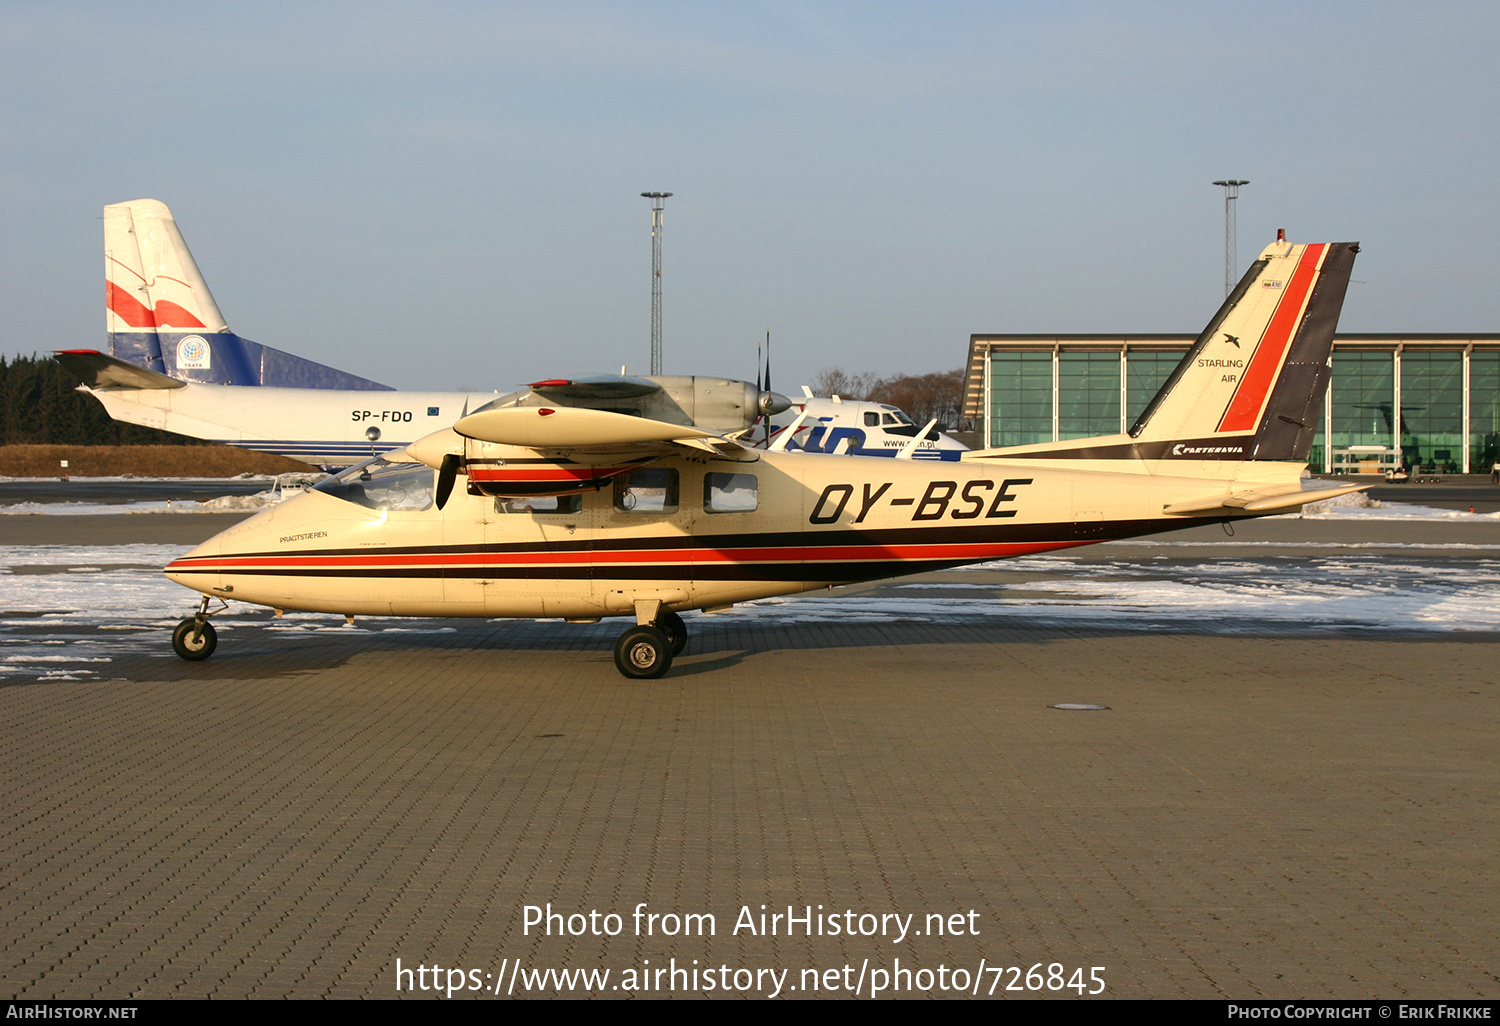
[(1251, 817)]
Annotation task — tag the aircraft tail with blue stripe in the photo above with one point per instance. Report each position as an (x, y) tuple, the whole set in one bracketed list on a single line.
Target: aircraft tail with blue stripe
[(160, 315)]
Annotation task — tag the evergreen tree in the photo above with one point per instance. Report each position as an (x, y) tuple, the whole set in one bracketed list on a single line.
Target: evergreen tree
[(40, 405)]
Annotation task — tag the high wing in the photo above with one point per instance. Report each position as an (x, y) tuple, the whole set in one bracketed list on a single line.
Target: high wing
[(569, 428), (602, 386), (538, 451)]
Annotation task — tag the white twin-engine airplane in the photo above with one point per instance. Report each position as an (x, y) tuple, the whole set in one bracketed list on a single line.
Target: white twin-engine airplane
[(860, 427), (172, 363), (675, 519)]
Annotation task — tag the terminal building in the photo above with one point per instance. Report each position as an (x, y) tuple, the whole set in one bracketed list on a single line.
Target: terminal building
[(1418, 401)]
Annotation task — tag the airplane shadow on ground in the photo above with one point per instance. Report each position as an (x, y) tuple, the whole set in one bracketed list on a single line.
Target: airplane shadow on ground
[(269, 649)]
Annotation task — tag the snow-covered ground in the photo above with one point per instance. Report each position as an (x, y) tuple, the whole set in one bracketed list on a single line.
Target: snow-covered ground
[(275, 489), (70, 612), (1322, 588), (1355, 506)]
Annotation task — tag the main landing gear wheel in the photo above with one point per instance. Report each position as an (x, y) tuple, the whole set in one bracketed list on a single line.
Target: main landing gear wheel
[(644, 653), (670, 624), (193, 642)]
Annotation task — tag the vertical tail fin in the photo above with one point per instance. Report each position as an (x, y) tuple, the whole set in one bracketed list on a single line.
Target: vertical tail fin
[(1252, 384), (160, 315), (151, 284)]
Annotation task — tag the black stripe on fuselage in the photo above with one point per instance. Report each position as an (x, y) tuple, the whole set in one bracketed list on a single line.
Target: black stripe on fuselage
[(830, 573), (950, 535), (813, 569)]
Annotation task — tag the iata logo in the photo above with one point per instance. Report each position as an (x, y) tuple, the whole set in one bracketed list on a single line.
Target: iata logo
[(193, 353)]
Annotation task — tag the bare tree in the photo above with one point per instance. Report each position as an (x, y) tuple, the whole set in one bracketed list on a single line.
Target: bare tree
[(926, 397), (836, 381), (938, 396)]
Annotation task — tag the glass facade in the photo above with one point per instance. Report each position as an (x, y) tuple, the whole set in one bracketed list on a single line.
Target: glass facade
[(1020, 410), (1145, 373), (1484, 411), (1432, 410), (1362, 399), (1361, 404), (1088, 394)]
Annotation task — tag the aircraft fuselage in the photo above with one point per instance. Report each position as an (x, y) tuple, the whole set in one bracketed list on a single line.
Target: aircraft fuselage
[(694, 533)]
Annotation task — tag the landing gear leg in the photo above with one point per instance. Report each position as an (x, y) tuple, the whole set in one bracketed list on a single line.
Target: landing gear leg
[(195, 639), (670, 624)]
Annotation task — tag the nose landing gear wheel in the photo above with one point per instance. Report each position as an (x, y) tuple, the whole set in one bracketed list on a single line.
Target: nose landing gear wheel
[(192, 642), (643, 653)]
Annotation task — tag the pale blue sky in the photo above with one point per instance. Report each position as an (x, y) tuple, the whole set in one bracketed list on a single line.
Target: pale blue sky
[(446, 195)]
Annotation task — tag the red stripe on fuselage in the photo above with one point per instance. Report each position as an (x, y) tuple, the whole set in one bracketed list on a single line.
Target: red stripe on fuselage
[(1250, 396), (553, 473), (813, 554)]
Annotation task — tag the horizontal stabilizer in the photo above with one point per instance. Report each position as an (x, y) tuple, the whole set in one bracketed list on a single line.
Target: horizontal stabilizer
[(1259, 501), (567, 427), (96, 370)]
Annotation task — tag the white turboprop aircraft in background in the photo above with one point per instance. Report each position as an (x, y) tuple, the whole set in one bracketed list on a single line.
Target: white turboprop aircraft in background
[(694, 520), (172, 363), (861, 427)]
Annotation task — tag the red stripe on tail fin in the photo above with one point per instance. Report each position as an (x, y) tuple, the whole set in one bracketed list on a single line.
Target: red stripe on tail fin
[(1249, 399), (126, 307), (170, 315)]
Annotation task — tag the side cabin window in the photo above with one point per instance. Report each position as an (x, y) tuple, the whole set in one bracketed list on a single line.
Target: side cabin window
[(649, 490), (872, 420), (540, 504), (383, 485), (729, 493)]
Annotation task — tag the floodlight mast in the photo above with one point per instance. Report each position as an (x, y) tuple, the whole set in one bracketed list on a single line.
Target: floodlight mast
[(658, 205), (1231, 244)]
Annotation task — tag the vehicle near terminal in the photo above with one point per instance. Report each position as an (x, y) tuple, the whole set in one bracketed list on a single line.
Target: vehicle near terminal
[(582, 514), (171, 362)]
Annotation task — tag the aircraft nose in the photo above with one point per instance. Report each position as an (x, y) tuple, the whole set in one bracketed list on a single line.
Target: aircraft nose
[(186, 568), (773, 402)]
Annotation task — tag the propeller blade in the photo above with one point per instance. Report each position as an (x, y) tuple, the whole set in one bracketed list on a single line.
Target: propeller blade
[(767, 387), (768, 361), (446, 475)]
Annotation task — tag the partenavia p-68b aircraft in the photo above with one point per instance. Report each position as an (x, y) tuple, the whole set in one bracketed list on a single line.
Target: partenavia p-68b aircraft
[(172, 363), (678, 519)]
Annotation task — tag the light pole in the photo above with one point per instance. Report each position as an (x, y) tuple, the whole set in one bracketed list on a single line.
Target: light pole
[(1231, 257), (658, 205)]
